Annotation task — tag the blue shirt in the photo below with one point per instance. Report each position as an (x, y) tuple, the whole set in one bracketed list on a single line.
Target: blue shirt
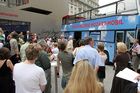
[(87, 52)]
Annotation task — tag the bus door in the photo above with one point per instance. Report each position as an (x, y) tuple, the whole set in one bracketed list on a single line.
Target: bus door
[(119, 37), (130, 36), (77, 35)]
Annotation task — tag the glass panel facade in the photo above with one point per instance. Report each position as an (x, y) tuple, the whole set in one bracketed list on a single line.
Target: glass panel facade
[(11, 3), (11, 25)]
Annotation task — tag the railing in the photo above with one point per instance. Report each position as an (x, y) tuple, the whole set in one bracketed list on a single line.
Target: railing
[(121, 7)]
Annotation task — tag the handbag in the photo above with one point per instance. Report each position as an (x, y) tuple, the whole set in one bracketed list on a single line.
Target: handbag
[(101, 72)]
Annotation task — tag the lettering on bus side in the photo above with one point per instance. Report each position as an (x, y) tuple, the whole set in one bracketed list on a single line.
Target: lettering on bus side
[(95, 24)]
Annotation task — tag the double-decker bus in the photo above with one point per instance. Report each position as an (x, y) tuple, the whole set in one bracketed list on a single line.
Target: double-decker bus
[(115, 22)]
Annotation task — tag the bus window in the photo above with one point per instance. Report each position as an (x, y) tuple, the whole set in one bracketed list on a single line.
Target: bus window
[(107, 36), (120, 36), (95, 35)]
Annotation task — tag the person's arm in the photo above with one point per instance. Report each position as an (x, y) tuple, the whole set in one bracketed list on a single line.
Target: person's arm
[(9, 64), (134, 50), (98, 61), (45, 61), (42, 87), (74, 52), (79, 56), (42, 80), (138, 78), (96, 68)]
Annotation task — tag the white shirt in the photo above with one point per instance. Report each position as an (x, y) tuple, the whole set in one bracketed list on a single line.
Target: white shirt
[(28, 78), (22, 51), (103, 59), (76, 50), (87, 52), (55, 50), (14, 46)]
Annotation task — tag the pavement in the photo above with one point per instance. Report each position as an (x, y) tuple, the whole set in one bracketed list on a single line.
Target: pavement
[(107, 81), (109, 77)]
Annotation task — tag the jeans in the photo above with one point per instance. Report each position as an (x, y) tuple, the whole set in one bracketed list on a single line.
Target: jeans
[(64, 82)]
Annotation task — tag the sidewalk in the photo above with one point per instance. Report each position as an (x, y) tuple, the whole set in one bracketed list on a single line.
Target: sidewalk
[(107, 81)]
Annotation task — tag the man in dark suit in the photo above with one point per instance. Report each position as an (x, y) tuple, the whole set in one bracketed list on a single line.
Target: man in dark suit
[(27, 36)]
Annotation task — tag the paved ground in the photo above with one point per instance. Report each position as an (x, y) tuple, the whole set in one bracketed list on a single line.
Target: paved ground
[(107, 81)]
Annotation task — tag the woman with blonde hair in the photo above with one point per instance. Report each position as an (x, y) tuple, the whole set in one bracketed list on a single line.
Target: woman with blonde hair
[(121, 62), (83, 79)]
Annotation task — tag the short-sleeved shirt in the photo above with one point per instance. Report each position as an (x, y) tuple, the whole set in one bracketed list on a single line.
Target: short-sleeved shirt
[(103, 58), (66, 59), (87, 52), (28, 78), (22, 51)]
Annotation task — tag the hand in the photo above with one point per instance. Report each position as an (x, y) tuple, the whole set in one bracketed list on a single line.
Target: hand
[(115, 65), (57, 74), (138, 78), (17, 55)]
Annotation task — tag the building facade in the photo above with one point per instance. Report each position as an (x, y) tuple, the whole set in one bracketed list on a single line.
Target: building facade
[(40, 16), (77, 6)]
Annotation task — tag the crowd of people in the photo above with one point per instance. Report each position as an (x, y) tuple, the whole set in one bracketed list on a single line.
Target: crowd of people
[(25, 64)]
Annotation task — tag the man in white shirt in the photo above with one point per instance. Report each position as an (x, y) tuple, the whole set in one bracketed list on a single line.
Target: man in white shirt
[(28, 77), (89, 53)]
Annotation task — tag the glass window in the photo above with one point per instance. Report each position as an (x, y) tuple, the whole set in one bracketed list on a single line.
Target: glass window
[(130, 35), (107, 36), (95, 35), (120, 37)]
